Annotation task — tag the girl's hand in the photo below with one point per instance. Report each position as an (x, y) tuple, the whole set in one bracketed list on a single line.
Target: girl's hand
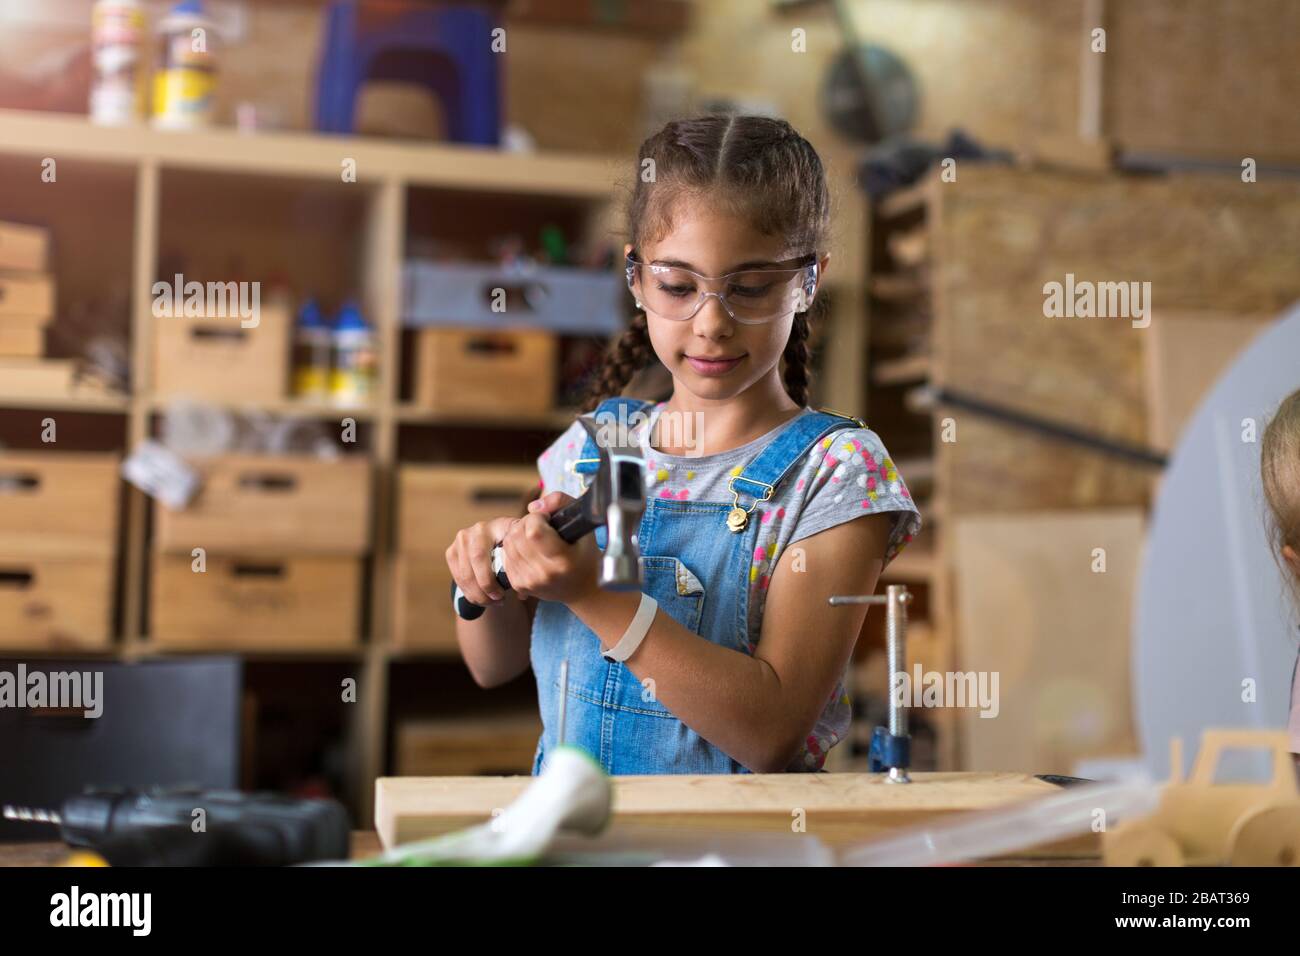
[(470, 560), (540, 564)]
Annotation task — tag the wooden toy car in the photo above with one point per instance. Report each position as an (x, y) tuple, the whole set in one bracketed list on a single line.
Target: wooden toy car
[(1203, 823)]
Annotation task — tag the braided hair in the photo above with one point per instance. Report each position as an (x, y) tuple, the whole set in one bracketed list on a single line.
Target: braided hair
[(754, 166)]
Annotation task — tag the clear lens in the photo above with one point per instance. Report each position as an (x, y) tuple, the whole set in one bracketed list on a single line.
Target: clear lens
[(757, 296)]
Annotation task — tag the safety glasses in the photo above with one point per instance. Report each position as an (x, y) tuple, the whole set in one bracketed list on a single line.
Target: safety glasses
[(751, 297)]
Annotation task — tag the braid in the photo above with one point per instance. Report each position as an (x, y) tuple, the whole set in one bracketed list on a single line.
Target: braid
[(631, 353), (796, 359)]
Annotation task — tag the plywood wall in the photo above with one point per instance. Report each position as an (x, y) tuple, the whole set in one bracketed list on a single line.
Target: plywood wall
[(1203, 243)]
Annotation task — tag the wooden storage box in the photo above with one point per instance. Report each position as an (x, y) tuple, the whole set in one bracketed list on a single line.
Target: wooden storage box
[(54, 603), (256, 603), (477, 372), (59, 503), (23, 248), (468, 746), (273, 504), (27, 293), (218, 358), (22, 336), (434, 502)]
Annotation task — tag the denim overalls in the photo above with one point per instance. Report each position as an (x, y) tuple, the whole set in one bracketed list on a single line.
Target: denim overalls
[(698, 572)]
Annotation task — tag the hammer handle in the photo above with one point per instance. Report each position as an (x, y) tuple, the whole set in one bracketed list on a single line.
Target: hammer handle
[(571, 522)]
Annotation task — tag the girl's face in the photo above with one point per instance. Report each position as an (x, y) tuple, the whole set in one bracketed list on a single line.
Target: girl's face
[(710, 355)]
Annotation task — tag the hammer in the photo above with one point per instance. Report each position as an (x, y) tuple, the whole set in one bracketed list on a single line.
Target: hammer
[(615, 501)]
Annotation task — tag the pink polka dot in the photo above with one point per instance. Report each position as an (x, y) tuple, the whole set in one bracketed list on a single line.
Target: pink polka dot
[(830, 461), (665, 493), (683, 494), (763, 582), (767, 516), (866, 503), (835, 479), (780, 513), (760, 552), (871, 484), (799, 487), (857, 445), (570, 446)]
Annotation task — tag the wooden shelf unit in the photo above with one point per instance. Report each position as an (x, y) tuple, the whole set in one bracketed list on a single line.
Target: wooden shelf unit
[(900, 361), (177, 186)]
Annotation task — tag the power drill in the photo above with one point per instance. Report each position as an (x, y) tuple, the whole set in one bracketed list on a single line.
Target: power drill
[(157, 827)]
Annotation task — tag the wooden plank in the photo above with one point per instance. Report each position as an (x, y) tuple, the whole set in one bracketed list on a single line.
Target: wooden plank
[(839, 808), (311, 156), (1185, 355), (1031, 608)]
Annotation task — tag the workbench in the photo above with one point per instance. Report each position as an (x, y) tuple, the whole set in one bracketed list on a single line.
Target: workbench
[(839, 809)]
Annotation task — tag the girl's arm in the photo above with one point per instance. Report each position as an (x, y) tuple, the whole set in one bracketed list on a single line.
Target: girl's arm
[(758, 709), (495, 647)]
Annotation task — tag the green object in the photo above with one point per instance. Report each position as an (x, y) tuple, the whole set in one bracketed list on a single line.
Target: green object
[(553, 244)]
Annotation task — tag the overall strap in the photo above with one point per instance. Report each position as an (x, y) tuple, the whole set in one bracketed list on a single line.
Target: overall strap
[(621, 408), (758, 479)]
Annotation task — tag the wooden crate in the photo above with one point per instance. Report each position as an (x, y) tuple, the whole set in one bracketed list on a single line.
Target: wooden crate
[(217, 358), (273, 504), (62, 504), (468, 746), (52, 603), (434, 502), (471, 371), (22, 336), (27, 293), (256, 603), (23, 248)]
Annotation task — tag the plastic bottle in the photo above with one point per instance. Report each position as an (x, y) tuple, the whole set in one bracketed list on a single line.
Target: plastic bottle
[(355, 361), (117, 91), (184, 86), (313, 343)]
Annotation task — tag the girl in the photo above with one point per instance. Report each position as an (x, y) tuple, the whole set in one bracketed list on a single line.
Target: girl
[(758, 508), (1280, 474)]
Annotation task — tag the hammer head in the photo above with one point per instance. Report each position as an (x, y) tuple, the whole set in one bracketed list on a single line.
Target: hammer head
[(617, 502)]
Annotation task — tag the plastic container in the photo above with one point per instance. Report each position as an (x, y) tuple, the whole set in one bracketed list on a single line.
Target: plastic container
[(184, 86), (352, 380), (117, 90), (313, 346)]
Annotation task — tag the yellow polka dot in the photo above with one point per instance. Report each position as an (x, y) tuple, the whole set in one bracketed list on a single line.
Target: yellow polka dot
[(661, 474), (753, 572), (826, 443), (847, 446), (690, 475), (735, 471)]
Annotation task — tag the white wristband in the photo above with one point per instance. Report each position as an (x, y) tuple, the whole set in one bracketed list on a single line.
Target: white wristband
[(636, 631)]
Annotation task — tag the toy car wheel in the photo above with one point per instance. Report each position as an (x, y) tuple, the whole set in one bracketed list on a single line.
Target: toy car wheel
[(1267, 837), (1140, 844)]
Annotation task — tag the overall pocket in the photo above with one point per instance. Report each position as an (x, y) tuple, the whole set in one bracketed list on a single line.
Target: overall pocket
[(679, 593)]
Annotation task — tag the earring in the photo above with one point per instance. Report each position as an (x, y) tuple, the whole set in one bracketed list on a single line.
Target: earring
[(639, 305)]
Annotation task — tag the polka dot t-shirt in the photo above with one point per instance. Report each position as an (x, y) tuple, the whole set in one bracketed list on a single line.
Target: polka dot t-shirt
[(845, 475)]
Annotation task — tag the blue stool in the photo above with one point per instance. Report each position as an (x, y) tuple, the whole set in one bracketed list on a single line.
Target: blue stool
[(446, 48)]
